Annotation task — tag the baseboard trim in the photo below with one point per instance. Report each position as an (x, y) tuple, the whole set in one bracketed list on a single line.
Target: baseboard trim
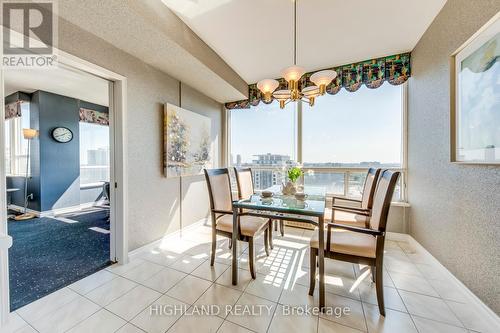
[(57, 211), (397, 237), (473, 299), (157, 242)]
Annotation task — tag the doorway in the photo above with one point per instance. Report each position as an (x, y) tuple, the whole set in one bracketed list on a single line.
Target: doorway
[(57, 157), (118, 172)]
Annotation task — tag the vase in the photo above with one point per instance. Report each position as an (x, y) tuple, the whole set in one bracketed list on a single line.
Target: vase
[(290, 188)]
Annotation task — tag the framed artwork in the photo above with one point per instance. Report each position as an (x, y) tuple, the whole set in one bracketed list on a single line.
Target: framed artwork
[(188, 147), (475, 97)]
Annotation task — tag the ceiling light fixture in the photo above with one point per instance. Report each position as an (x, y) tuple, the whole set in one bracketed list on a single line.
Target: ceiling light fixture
[(292, 76)]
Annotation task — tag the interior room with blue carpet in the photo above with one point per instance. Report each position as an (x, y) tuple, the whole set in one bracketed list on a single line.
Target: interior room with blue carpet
[(57, 157), (49, 253)]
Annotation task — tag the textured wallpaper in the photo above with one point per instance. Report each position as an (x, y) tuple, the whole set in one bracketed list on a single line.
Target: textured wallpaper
[(455, 210), (155, 202)]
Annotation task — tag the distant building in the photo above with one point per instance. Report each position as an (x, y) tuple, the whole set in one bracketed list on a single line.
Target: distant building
[(273, 173), (97, 167), (238, 160), (271, 159), (98, 157)]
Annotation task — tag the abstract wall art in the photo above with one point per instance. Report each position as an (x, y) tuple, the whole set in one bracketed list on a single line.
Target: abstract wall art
[(188, 148)]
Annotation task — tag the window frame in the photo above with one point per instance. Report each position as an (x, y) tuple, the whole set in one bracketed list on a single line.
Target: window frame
[(108, 166), (346, 171), (15, 126)]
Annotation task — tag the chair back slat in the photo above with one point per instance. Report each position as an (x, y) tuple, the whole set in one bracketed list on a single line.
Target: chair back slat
[(219, 189), (382, 199), (369, 188), (244, 180)]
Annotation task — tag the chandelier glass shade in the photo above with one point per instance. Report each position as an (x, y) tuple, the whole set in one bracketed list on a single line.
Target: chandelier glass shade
[(267, 87)]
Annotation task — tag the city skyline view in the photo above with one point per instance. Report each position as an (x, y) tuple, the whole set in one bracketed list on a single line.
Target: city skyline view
[(94, 153), (94, 139), (337, 129)]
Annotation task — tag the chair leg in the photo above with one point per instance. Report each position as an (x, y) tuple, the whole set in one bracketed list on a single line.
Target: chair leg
[(275, 225), (270, 234), (230, 244), (380, 288), (214, 246), (372, 268), (313, 253), (266, 240), (282, 228), (251, 257)]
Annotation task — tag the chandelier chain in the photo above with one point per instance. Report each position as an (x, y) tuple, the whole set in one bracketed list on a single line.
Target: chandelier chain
[(295, 32)]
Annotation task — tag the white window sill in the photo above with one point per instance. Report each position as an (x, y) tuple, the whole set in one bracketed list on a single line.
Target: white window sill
[(89, 186)]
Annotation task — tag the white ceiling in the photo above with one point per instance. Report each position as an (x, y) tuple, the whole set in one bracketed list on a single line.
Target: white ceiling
[(61, 80), (255, 37)]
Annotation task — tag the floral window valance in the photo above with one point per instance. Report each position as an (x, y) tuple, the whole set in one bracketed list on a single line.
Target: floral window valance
[(94, 117), (372, 73), (13, 110)]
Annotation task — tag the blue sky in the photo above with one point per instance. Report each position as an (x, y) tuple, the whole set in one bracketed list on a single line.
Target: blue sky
[(346, 127)]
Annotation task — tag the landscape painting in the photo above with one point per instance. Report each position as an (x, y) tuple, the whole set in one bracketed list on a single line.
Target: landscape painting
[(187, 145)]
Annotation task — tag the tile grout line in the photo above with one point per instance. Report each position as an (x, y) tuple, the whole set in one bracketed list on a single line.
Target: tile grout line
[(440, 298), (402, 301), (279, 262)]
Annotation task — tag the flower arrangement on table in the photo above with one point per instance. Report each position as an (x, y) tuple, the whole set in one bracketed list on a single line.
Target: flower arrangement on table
[(293, 174)]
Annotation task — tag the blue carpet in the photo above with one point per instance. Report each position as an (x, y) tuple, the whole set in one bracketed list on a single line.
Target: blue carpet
[(48, 254)]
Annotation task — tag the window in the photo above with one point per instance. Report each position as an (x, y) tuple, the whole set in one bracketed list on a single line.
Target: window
[(94, 153), (264, 138), (16, 147), (357, 129), (352, 130), (342, 136)]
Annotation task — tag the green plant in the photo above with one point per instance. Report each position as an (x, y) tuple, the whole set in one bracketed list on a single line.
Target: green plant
[(294, 174)]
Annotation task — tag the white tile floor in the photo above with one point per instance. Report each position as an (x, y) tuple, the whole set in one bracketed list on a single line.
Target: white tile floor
[(177, 273)]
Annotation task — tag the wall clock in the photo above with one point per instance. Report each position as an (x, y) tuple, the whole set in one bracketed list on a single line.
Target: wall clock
[(62, 134)]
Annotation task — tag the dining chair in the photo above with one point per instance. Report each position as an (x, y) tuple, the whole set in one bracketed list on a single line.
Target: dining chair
[(351, 211), (360, 245), (244, 181), (221, 207)]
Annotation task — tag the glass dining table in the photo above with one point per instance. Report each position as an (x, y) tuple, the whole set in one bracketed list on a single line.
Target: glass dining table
[(281, 207)]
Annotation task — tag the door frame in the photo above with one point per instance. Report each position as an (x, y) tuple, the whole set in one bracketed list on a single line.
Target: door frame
[(118, 171)]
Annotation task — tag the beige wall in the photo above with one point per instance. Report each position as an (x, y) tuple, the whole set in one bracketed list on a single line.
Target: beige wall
[(154, 201), (455, 211), (397, 221)]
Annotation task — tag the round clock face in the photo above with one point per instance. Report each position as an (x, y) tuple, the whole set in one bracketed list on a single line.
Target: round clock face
[(62, 134)]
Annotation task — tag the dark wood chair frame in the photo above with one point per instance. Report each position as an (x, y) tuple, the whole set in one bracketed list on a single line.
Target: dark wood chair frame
[(217, 213), (274, 221), (358, 210), (376, 263)]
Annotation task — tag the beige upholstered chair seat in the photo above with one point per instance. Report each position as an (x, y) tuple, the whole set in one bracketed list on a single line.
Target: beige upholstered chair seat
[(347, 218), (250, 225), (348, 242)]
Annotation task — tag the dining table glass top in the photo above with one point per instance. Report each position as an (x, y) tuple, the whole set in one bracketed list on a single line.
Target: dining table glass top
[(313, 205)]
